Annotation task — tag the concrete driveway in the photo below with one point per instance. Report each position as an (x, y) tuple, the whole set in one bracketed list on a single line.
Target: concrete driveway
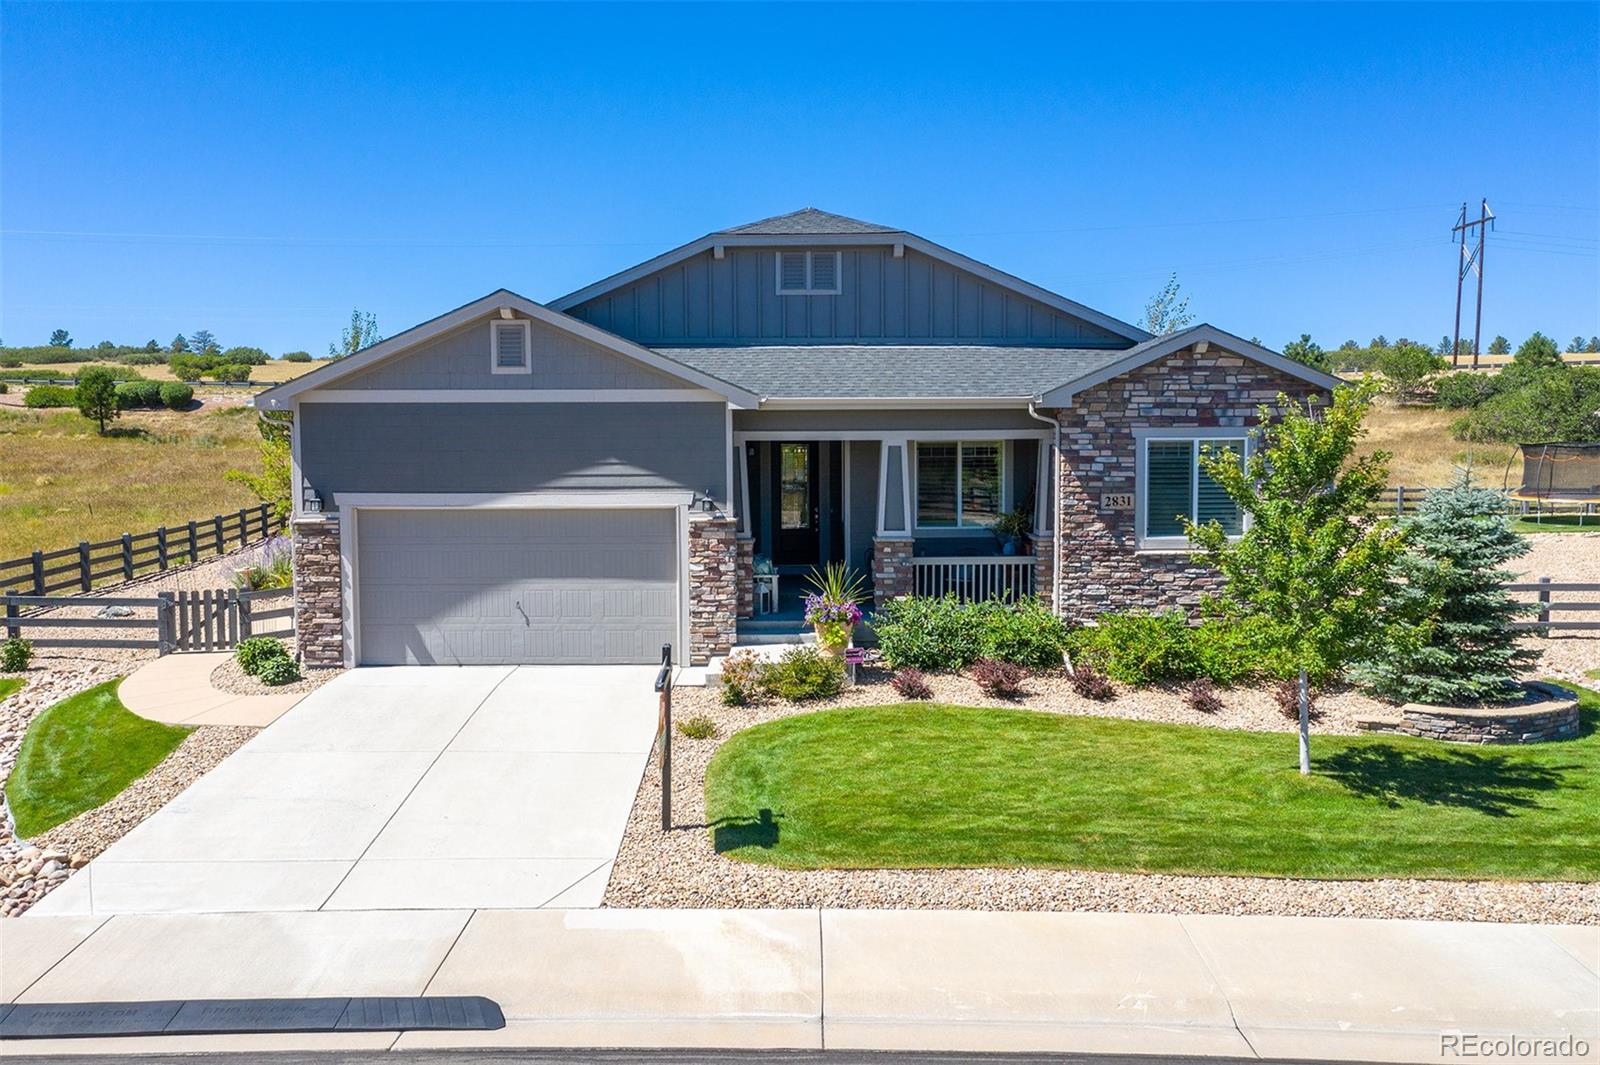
[(476, 787)]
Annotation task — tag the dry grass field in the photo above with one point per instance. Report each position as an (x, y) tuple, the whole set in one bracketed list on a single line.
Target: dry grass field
[(275, 371), (1425, 454), (61, 482)]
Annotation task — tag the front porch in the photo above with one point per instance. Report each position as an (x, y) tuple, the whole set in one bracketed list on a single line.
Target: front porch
[(914, 512)]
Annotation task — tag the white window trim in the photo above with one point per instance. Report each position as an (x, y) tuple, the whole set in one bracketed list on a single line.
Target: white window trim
[(1142, 439), (961, 524), (809, 290), (495, 325)]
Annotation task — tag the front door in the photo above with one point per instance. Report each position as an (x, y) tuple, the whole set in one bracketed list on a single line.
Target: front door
[(794, 504)]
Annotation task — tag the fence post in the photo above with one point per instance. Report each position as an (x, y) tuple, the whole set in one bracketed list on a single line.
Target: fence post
[(12, 632), (216, 526), (127, 557), (246, 628), (161, 549), (1400, 501), (38, 573), (165, 635), (244, 528), (83, 564), (1544, 602), (194, 545)]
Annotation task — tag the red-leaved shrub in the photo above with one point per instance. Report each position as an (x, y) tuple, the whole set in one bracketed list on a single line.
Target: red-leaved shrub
[(1202, 697), (1090, 683), (1286, 693), (1000, 679), (910, 683)]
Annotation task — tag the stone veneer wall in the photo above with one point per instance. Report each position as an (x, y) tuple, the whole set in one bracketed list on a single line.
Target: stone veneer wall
[(745, 576), (1044, 569), (1553, 716), (713, 592), (891, 569), (318, 600), (1101, 566)]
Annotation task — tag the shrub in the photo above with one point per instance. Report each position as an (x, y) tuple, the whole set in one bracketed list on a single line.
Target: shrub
[(1027, 633), (270, 566), (138, 394), (698, 727), (1137, 648), (253, 654), (175, 395), (231, 371), (245, 356), (1202, 697), (1459, 391), (997, 677), (804, 673), (1229, 649), (297, 356), (1090, 683), (141, 358), (927, 633), (3, 388), (911, 683), (744, 678), (275, 671), (15, 654), (96, 396), (41, 396), (1286, 694)]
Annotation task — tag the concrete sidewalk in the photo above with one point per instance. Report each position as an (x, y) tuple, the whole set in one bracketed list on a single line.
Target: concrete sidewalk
[(176, 689), (893, 980)]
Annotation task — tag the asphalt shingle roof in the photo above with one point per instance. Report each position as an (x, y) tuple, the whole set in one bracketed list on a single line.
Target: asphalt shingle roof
[(810, 221), (895, 370)]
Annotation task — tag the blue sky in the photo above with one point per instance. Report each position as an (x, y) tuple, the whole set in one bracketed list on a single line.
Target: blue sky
[(259, 170)]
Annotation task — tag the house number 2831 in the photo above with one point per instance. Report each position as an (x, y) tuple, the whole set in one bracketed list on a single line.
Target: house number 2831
[(1116, 500)]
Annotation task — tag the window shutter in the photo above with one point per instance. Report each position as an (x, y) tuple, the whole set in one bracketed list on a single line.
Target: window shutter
[(1169, 469), (824, 271), (791, 271), (510, 352), (1212, 503)]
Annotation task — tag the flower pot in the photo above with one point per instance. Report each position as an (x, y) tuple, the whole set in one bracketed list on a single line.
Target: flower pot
[(833, 637)]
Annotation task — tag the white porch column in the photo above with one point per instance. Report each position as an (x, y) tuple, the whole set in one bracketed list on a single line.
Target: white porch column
[(892, 547)]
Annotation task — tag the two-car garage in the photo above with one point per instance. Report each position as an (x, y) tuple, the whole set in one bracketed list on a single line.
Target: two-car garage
[(473, 585)]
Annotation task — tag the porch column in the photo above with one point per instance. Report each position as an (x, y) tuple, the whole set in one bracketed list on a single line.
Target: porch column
[(318, 597), (893, 544), (1044, 525)]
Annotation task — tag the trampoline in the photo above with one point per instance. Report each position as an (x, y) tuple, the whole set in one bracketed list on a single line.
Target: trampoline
[(1558, 476)]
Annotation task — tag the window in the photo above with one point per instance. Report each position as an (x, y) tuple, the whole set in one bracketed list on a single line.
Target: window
[(509, 343), (1173, 489), (960, 485), (808, 273)]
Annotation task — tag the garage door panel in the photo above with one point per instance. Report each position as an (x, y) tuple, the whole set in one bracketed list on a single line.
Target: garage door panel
[(505, 586)]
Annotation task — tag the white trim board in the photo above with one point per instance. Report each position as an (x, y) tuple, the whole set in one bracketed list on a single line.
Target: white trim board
[(511, 395), (892, 435), (501, 300), (598, 500)]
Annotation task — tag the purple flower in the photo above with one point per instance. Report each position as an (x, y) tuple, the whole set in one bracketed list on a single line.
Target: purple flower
[(824, 611)]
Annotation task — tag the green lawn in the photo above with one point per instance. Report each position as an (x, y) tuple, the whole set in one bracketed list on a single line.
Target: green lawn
[(1552, 523), (79, 753), (917, 785), (9, 685)]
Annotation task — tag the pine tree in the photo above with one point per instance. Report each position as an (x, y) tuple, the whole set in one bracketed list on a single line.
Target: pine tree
[(1451, 578)]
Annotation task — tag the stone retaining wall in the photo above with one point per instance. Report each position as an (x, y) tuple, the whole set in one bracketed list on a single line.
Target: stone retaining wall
[(1554, 717), (318, 602)]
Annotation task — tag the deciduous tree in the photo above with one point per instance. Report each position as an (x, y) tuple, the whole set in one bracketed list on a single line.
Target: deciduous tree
[(362, 332), (1168, 310)]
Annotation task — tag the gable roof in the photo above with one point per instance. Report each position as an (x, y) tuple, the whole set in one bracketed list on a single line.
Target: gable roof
[(1130, 359), (810, 220), (278, 397), (794, 232)]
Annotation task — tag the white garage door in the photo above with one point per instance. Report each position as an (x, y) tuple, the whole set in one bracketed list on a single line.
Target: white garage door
[(511, 586)]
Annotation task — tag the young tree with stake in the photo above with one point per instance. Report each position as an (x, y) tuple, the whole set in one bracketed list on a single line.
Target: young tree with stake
[(1314, 561)]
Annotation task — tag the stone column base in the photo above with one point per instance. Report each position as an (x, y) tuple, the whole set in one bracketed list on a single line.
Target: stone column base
[(1044, 570), (318, 596), (891, 569), (745, 575), (713, 592)]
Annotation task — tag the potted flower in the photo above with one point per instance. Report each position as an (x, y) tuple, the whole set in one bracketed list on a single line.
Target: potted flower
[(1012, 528), (833, 606)]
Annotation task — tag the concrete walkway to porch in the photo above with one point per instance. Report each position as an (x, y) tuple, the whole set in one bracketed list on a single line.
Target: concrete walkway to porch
[(176, 689), (917, 981)]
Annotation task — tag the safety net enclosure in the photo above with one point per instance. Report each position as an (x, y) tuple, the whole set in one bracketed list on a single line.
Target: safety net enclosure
[(1558, 473)]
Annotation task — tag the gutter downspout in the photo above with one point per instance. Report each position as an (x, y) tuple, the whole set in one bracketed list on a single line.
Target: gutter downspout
[(1055, 508)]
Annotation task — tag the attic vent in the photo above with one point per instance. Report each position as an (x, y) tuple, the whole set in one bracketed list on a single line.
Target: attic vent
[(508, 344), (808, 273)]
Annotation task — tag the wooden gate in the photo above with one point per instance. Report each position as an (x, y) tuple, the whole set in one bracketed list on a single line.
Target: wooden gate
[(214, 619)]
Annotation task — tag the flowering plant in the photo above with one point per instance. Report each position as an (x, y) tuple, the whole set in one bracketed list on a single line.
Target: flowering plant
[(822, 611), (832, 607)]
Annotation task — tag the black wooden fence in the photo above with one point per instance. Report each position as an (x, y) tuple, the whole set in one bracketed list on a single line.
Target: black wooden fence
[(80, 568), (209, 620), (1405, 499), (1546, 589)]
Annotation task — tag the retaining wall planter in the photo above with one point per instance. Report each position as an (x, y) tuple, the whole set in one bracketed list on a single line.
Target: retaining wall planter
[(1549, 713)]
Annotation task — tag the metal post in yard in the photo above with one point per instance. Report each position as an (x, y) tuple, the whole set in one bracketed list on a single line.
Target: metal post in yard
[(664, 726), (165, 634), (83, 564), (38, 573), (127, 557), (1544, 601)]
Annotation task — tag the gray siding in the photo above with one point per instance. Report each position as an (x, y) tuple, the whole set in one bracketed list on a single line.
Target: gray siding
[(512, 447), (803, 423), (460, 359), (734, 300), (863, 503)]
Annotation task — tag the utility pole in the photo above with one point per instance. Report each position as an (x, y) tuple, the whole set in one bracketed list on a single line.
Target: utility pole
[(1471, 260)]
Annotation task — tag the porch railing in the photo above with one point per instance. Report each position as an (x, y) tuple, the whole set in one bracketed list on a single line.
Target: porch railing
[(974, 579)]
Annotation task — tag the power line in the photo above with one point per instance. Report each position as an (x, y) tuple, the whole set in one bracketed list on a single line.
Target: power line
[(1471, 262)]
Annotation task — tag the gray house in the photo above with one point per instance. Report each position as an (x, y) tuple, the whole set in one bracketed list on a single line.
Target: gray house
[(588, 479)]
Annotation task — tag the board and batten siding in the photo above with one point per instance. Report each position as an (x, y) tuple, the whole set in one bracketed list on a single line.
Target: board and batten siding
[(460, 360), (512, 447), (734, 300)]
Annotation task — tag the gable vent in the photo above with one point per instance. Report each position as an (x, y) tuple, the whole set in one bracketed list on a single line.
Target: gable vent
[(808, 273), (510, 344), (824, 271), (792, 271)]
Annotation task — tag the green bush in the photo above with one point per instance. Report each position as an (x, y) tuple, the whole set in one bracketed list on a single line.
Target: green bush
[(254, 654), (42, 396), (138, 394), (141, 358), (1137, 648), (1459, 391), (176, 395), (15, 654), (744, 677), (3, 388), (230, 371), (928, 633), (297, 356), (245, 356), (1027, 633), (804, 673), (277, 671), (698, 727)]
